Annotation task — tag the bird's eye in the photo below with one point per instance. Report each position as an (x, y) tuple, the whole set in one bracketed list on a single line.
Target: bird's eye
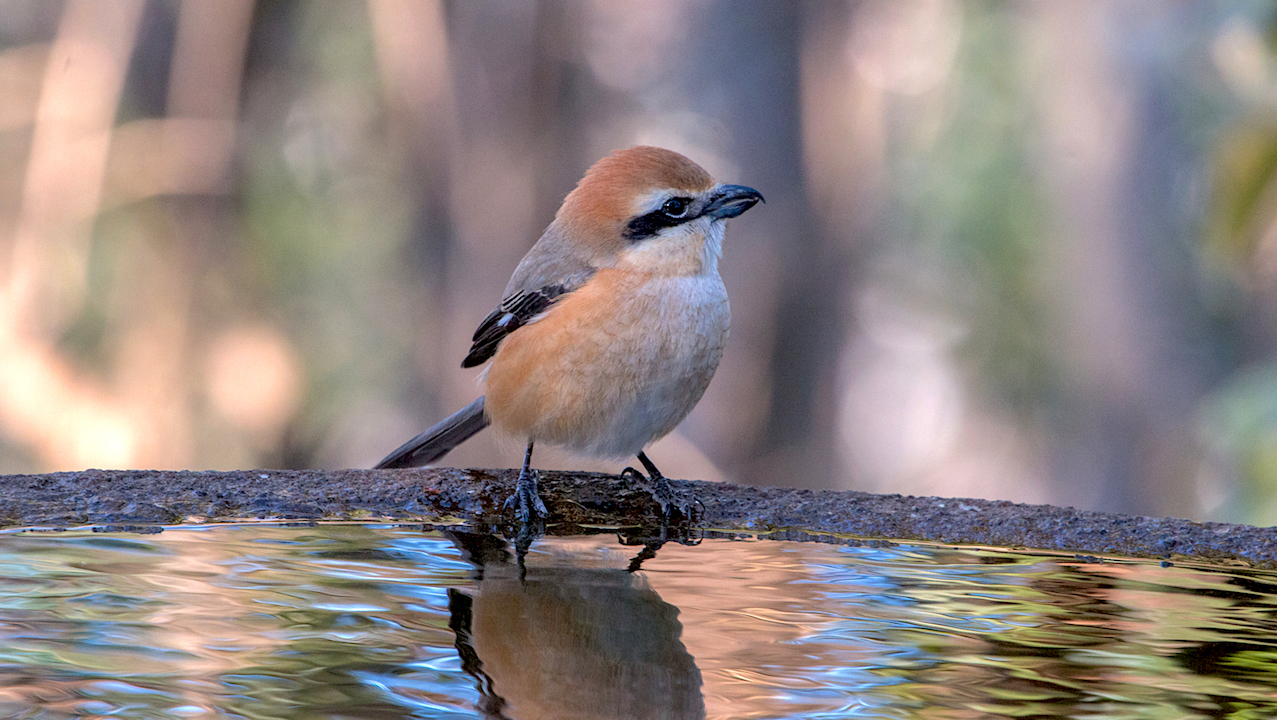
[(676, 207)]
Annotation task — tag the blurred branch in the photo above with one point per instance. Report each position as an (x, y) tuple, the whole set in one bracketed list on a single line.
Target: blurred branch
[(79, 165), (20, 85), (172, 156), (208, 58), (44, 276), (44, 403)]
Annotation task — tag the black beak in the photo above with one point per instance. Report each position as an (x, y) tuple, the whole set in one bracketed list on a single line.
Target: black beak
[(728, 201)]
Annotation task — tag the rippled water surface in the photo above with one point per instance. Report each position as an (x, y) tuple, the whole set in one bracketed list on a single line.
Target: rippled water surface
[(380, 621)]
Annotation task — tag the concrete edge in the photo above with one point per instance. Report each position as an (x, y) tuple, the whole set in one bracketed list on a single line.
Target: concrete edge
[(128, 498)]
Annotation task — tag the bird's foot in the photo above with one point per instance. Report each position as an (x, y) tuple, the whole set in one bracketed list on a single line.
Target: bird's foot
[(525, 501), (673, 505)]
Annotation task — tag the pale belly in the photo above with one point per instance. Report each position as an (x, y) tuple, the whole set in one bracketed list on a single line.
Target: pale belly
[(608, 383)]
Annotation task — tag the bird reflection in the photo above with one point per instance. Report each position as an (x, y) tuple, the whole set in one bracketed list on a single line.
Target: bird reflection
[(570, 637)]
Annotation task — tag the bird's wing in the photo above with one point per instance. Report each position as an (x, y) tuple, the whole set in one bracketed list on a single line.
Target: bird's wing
[(551, 269), (513, 313)]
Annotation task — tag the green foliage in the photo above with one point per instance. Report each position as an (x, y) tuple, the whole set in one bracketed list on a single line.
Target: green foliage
[(974, 208)]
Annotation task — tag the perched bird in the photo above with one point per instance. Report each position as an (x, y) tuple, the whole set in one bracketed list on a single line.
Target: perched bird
[(611, 326)]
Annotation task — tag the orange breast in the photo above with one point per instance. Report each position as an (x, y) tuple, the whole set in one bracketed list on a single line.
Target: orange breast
[(613, 366)]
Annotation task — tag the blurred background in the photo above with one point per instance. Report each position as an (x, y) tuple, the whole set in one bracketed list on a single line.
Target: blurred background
[(1011, 250)]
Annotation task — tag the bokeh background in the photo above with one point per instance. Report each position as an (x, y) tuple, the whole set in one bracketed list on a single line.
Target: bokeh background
[(1020, 250)]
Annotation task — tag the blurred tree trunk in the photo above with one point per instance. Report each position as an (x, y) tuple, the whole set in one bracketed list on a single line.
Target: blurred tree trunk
[(739, 64), (415, 61), (506, 167), (790, 270), (1126, 324)]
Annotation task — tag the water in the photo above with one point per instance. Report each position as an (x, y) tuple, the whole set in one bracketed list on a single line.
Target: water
[(381, 621)]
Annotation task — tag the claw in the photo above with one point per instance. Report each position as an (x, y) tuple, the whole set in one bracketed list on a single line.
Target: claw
[(673, 505), (525, 501)]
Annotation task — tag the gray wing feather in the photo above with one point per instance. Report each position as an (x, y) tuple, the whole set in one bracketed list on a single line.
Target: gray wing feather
[(550, 270), (551, 261)]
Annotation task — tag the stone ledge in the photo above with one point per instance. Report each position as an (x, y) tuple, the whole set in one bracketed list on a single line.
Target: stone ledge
[(147, 498)]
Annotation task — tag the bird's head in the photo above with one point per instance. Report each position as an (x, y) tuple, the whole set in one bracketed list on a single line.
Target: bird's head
[(652, 210)]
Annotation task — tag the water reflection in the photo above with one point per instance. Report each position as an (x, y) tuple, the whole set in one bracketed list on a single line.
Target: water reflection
[(565, 637), (367, 621)]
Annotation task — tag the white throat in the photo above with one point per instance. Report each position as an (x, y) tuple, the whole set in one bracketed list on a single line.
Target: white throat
[(692, 248)]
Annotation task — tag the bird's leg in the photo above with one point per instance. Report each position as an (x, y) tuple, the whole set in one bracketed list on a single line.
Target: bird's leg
[(525, 501), (671, 503)]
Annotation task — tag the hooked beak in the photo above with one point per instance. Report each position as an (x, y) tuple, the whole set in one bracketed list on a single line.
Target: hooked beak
[(728, 201)]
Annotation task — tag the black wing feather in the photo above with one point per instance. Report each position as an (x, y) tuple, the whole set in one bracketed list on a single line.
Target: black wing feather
[(513, 313)]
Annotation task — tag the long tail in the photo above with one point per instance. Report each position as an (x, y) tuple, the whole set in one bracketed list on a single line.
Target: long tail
[(440, 439)]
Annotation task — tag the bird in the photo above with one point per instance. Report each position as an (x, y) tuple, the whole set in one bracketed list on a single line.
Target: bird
[(611, 327)]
